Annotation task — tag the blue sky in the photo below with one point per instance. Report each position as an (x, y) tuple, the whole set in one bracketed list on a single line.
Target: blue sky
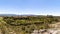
[(38, 7)]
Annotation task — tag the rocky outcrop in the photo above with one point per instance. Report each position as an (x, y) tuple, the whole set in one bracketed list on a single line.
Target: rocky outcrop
[(55, 29)]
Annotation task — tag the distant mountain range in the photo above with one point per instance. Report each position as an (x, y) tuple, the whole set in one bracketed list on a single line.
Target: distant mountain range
[(8, 15), (16, 15), (20, 15)]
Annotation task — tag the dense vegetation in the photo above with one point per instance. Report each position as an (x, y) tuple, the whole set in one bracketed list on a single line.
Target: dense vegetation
[(26, 24)]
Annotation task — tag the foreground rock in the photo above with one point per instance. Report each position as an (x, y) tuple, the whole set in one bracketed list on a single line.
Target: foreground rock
[(48, 31)]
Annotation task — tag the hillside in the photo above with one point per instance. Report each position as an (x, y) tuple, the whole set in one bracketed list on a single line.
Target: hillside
[(25, 25)]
